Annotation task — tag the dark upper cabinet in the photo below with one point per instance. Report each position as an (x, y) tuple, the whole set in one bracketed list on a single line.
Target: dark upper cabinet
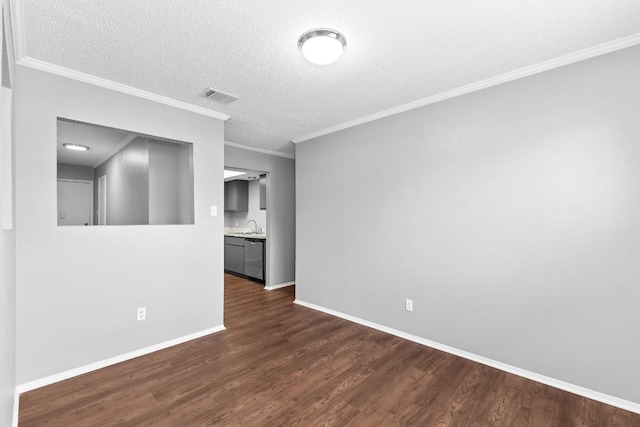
[(236, 196), (263, 192)]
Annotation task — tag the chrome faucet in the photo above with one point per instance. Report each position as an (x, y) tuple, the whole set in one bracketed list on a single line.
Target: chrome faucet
[(252, 220)]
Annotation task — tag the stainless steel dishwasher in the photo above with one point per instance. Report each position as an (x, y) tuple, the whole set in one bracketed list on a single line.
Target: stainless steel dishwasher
[(254, 258)]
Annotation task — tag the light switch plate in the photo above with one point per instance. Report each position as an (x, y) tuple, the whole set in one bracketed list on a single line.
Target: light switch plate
[(408, 305), (214, 211)]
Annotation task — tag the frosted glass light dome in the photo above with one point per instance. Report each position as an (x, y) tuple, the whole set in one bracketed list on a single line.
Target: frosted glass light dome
[(322, 46), (76, 147)]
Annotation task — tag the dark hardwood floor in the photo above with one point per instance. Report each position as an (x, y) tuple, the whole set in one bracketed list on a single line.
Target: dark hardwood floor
[(281, 364)]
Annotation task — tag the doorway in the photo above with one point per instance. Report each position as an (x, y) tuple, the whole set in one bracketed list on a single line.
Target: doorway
[(246, 223), (75, 202)]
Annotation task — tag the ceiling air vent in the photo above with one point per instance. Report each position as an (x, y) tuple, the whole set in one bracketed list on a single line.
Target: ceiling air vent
[(217, 96)]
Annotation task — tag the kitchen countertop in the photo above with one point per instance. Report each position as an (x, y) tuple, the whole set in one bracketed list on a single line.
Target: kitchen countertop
[(248, 236)]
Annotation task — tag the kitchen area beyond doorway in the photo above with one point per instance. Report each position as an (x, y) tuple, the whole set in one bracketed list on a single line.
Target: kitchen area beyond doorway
[(245, 223)]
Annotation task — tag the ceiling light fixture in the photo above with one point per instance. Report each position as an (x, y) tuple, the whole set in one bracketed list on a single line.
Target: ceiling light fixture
[(231, 174), (76, 147), (322, 46)]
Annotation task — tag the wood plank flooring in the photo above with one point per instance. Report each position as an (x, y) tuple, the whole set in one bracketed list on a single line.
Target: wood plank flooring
[(279, 364)]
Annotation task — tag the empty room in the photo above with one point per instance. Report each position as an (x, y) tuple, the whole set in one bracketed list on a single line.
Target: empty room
[(362, 213)]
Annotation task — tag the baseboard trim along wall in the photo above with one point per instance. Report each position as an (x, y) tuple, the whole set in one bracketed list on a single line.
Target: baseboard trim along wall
[(562, 385), (32, 385), (278, 286)]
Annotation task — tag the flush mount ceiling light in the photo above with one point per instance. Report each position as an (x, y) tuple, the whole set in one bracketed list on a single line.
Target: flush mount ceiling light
[(231, 174), (76, 147), (322, 46)]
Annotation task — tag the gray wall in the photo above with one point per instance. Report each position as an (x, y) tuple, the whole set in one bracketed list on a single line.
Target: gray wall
[(281, 220), (7, 248), (7, 270), (254, 212), (7, 325), (510, 216), (67, 171), (149, 181), (78, 287), (170, 183), (127, 174)]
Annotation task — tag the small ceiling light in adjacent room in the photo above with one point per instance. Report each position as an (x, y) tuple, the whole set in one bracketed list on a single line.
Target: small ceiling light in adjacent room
[(322, 46), (231, 174), (76, 147)]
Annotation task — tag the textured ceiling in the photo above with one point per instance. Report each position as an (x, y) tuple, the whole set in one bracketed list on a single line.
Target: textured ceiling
[(102, 142), (396, 53)]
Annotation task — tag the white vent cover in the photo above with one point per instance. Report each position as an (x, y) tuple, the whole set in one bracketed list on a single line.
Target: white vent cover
[(217, 96)]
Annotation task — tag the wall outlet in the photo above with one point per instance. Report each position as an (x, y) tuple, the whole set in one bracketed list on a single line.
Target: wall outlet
[(214, 211), (141, 313), (408, 304)]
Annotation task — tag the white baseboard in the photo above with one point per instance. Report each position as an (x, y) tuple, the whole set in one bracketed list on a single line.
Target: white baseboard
[(32, 385), (278, 286), (16, 408), (562, 385)]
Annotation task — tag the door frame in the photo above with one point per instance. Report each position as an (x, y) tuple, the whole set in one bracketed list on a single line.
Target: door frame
[(78, 181), (102, 198)]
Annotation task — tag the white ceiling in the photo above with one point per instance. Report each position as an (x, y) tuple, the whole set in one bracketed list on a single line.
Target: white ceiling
[(102, 142), (396, 53)]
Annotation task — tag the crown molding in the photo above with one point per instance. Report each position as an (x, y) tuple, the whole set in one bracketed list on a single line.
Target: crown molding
[(260, 150), (17, 20), (118, 87), (126, 141), (571, 58)]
